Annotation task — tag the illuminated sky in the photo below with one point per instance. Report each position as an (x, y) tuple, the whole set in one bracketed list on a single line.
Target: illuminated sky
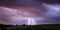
[(28, 12)]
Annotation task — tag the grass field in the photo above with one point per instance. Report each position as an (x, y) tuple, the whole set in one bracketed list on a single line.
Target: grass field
[(31, 27)]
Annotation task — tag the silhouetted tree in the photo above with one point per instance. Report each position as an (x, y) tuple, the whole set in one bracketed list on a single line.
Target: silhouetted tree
[(23, 24)]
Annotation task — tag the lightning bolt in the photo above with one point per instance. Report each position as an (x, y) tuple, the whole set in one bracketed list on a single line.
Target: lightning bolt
[(31, 21)]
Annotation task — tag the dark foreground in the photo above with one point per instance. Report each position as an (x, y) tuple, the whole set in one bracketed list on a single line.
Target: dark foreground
[(30, 27)]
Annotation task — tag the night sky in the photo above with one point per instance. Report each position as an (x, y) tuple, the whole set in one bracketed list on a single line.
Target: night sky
[(30, 12)]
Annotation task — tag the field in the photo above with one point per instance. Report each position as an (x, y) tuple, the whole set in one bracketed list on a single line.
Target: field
[(30, 27)]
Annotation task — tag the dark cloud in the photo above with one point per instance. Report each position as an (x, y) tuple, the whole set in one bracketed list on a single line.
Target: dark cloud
[(33, 6)]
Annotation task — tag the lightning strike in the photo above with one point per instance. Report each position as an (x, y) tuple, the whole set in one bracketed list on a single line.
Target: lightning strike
[(31, 21)]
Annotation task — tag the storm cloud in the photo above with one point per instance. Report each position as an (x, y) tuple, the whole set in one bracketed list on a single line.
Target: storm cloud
[(20, 11)]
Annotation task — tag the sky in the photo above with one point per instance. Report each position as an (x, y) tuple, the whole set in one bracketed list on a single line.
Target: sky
[(30, 12)]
